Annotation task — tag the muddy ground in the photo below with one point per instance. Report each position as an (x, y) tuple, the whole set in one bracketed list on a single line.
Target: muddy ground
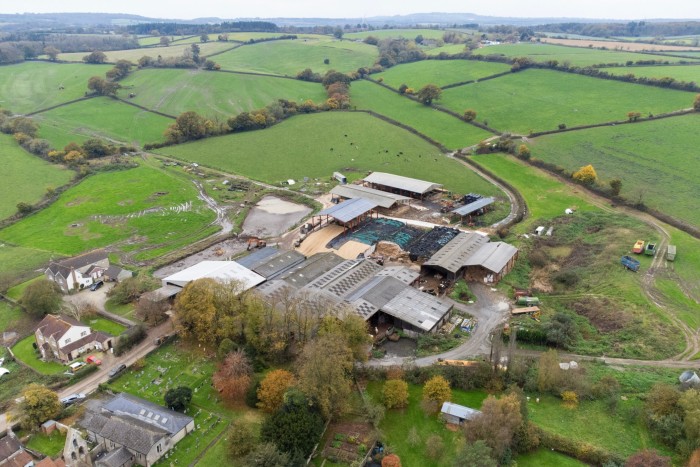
[(273, 216)]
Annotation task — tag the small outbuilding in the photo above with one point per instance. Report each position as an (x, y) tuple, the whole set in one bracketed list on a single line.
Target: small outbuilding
[(475, 208), (689, 377), (457, 414)]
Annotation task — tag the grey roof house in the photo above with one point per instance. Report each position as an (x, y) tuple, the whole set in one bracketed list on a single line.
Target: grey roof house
[(126, 423)]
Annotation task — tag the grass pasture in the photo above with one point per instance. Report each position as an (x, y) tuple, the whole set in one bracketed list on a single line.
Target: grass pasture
[(133, 55), (20, 377), (289, 57), (584, 423), (290, 150), (536, 100), (686, 73), (443, 128), (51, 445), (26, 176), (98, 323), (213, 94), (30, 86), (101, 117), (19, 264), (576, 56), (649, 158), (449, 49), (440, 72), (638, 329), (144, 204), (546, 458)]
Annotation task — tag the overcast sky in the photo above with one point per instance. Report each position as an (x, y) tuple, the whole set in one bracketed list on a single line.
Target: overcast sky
[(613, 9)]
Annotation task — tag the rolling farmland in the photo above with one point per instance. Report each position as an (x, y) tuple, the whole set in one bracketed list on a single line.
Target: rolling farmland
[(26, 177), (289, 57), (440, 72), (31, 86), (101, 117), (657, 161), (145, 203), (214, 94), (443, 128), (537, 100), (288, 151)]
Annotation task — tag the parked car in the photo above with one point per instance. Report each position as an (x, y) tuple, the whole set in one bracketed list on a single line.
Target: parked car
[(94, 360), (114, 372), (73, 398), (75, 366), (96, 285)]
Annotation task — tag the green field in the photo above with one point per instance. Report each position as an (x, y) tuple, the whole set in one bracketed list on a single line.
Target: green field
[(449, 49), (395, 33), (51, 445), (101, 117), (25, 351), (9, 316), (19, 264), (98, 323), (575, 56), (585, 422), (31, 86), (686, 73), (27, 177), (443, 128), (440, 72), (213, 94), (545, 458), (16, 292), (649, 158), (537, 100), (110, 207), (289, 57), (290, 150), (133, 55)]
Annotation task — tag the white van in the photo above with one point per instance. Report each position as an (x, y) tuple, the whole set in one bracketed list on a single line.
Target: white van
[(76, 366)]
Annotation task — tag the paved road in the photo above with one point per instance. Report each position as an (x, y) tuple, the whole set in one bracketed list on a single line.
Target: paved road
[(491, 309), (90, 382)]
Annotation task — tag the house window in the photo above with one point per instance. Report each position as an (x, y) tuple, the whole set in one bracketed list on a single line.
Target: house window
[(159, 448), (68, 341), (84, 333)]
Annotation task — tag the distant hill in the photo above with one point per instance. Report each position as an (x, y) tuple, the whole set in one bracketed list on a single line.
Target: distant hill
[(58, 20)]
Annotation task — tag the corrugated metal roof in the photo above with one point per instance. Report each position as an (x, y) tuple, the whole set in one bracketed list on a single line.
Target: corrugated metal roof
[(311, 269), (219, 270), (493, 256), (382, 198), (417, 308), (257, 257), (471, 207), (460, 411), (278, 263), (453, 256), (412, 185), (349, 210)]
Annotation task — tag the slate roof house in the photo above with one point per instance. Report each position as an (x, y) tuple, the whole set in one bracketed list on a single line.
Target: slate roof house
[(84, 270), (127, 426), (65, 339)]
